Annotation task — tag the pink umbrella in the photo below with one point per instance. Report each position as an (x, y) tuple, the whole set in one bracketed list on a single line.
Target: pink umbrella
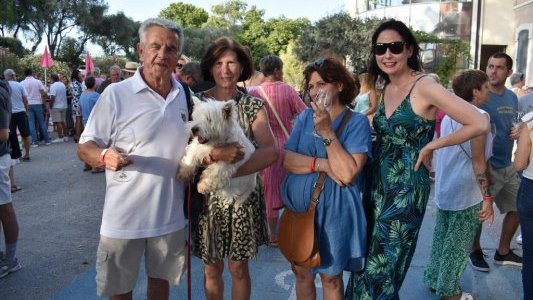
[(46, 61), (89, 65)]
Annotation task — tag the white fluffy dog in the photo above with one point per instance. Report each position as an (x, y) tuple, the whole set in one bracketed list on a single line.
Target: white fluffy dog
[(215, 123)]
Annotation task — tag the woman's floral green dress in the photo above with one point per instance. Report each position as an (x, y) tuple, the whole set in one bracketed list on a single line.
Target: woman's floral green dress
[(395, 201)]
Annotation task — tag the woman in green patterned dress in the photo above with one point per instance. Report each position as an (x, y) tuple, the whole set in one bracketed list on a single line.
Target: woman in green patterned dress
[(395, 200), (225, 228)]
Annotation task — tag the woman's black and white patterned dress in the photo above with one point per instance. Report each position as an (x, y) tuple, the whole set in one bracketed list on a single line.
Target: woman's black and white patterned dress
[(76, 89), (224, 229)]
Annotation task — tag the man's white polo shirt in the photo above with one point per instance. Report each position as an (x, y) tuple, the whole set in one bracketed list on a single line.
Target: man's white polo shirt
[(151, 203)]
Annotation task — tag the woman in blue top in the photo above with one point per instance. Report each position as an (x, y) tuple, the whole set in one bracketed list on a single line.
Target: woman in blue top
[(340, 220)]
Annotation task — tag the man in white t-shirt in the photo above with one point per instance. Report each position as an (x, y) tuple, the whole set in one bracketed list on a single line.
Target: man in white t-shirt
[(137, 133), (19, 118), (58, 103), (36, 108)]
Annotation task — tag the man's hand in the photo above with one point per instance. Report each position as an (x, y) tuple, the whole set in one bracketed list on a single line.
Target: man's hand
[(115, 160)]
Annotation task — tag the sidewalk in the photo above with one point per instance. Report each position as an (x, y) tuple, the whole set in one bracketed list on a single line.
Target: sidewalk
[(59, 211)]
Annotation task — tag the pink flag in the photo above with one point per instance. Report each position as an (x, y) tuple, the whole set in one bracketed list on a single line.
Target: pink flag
[(46, 59), (89, 65)]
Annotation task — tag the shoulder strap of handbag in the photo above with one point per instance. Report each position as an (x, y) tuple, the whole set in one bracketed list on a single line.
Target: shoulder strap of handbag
[(262, 91), (319, 185)]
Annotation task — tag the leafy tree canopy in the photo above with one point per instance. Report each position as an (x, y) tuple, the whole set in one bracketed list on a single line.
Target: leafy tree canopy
[(185, 14)]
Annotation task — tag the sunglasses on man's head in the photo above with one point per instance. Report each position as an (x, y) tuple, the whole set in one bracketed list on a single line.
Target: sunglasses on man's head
[(394, 47)]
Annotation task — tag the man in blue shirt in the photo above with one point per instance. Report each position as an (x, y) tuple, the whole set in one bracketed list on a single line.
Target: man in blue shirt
[(502, 108)]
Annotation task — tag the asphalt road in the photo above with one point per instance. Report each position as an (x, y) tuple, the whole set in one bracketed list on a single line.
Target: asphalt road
[(59, 211)]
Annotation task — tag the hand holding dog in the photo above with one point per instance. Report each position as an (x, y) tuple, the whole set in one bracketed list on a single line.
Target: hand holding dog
[(116, 160), (230, 153)]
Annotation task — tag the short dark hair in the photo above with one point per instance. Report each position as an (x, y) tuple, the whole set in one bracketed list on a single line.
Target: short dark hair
[(464, 82), (75, 75), (269, 64), (28, 72), (54, 77), (90, 82), (332, 71), (408, 37), (508, 59), (215, 51)]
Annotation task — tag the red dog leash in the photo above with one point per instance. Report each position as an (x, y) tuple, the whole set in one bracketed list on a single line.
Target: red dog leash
[(189, 289)]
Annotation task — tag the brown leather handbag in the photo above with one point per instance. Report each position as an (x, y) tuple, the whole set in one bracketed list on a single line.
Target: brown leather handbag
[(297, 237)]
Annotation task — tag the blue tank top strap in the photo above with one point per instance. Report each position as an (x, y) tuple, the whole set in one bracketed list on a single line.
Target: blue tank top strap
[(414, 83)]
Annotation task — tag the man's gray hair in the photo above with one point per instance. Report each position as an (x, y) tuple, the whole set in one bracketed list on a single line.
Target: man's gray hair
[(8, 73), (115, 67), (161, 23), (96, 70)]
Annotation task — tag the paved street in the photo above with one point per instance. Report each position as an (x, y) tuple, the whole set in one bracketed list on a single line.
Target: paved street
[(59, 210)]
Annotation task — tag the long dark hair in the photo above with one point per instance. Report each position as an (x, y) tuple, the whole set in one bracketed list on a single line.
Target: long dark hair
[(408, 37)]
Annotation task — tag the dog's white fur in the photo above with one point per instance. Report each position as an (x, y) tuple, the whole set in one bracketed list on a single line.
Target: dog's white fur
[(215, 123)]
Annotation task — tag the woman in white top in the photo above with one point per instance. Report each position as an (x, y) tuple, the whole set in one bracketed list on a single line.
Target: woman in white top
[(460, 206), (524, 200)]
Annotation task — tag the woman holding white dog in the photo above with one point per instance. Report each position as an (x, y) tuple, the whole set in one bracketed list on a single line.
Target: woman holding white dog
[(226, 229), (313, 147)]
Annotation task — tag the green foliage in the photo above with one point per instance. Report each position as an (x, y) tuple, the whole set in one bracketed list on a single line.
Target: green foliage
[(197, 40), (8, 60), (121, 35), (339, 36), (293, 68), (185, 14), (451, 55), (69, 52), (14, 45), (227, 14), (34, 62), (104, 63)]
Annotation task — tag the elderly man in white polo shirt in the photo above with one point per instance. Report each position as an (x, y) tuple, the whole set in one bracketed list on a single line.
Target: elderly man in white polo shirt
[(137, 132)]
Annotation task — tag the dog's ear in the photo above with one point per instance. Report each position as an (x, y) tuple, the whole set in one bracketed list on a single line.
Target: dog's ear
[(227, 110)]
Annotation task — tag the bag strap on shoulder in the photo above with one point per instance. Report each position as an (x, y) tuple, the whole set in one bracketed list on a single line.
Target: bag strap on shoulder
[(319, 184)]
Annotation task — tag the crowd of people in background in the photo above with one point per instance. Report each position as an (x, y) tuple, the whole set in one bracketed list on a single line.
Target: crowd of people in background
[(376, 189)]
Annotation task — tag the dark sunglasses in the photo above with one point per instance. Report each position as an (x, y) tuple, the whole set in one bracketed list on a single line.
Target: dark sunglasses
[(394, 47), (319, 62), (179, 66)]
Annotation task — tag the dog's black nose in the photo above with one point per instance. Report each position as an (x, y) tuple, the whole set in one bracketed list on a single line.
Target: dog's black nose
[(195, 130)]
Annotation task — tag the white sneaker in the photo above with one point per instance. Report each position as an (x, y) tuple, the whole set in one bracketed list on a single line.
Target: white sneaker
[(65, 139), (519, 239), (58, 140)]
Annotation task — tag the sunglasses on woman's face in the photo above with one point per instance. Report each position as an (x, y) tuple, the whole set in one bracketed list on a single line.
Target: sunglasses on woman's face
[(394, 47)]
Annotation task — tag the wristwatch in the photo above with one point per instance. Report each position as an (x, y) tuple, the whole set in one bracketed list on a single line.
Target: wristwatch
[(327, 141)]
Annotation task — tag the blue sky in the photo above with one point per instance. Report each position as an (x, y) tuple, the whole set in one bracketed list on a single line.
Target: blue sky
[(314, 10)]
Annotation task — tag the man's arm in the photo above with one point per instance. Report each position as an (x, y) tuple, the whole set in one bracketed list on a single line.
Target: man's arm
[(111, 159)]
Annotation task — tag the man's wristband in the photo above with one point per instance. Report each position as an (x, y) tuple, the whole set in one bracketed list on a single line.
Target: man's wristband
[(102, 156)]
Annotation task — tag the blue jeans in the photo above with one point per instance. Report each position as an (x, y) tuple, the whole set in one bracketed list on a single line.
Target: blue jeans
[(525, 211), (36, 111)]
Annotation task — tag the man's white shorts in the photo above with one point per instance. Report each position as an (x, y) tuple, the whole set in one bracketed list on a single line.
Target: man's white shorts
[(118, 261)]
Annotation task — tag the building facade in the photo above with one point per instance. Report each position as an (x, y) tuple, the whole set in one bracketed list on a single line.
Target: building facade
[(488, 26)]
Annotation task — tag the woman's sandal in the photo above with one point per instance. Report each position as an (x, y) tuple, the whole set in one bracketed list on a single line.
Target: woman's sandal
[(467, 296)]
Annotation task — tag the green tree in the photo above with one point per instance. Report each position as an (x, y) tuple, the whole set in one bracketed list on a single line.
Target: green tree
[(227, 14), (197, 40), (185, 14), (14, 45), (281, 31), (55, 19), (69, 52), (253, 33), (293, 68), (119, 34)]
